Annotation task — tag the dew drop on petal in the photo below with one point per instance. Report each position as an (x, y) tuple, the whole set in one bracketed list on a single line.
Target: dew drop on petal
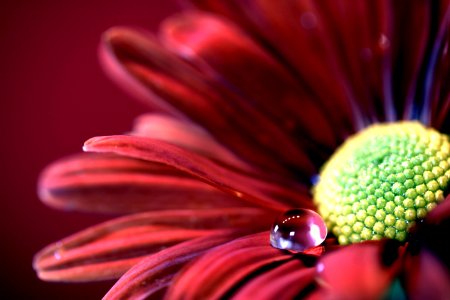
[(298, 230), (445, 51), (57, 254), (383, 42)]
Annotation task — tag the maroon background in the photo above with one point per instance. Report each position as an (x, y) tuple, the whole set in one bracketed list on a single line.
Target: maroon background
[(54, 96)]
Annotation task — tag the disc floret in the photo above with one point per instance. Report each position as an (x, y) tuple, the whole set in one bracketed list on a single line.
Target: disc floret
[(382, 180)]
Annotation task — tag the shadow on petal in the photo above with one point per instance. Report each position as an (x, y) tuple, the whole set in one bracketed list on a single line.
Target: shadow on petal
[(426, 277), (224, 269), (356, 272), (284, 282)]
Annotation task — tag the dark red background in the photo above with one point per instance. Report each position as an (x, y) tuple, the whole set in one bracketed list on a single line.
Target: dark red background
[(54, 96)]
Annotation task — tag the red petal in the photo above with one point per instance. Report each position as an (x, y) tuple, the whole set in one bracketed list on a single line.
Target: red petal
[(307, 49), (108, 258), (440, 90), (284, 282), (225, 268), (112, 184), (231, 120), (221, 51), (376, 51), (426, 277), (118, 73), (155, 273), (360, 35), (186, 135), (108, 250), (231, 182), (411, 31), (356, 272)]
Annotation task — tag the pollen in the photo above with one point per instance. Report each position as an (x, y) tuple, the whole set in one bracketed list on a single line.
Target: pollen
[(383, 180)]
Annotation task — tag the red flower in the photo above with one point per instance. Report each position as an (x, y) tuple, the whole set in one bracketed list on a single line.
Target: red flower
[(248, 99)]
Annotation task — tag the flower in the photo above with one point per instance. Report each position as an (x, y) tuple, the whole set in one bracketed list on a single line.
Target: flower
[(248, 100)]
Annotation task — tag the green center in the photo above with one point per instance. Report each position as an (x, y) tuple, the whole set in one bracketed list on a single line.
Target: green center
[(382, 180)]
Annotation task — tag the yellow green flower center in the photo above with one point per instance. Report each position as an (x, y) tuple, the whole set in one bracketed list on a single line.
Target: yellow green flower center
[(382, 180)]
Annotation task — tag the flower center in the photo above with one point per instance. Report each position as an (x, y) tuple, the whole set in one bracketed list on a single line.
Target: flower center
[(382, 180)]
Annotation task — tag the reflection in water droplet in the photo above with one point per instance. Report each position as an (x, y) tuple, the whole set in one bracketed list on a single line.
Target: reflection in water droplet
[(298, 230), (383, 42), (308, 20)]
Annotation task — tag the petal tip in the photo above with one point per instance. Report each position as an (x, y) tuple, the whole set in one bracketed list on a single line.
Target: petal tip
[(89, 145)]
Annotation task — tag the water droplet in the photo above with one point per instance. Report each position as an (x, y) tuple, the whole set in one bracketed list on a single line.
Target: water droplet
[(57, 255), (308, 20), (298, 230), (383, 42)]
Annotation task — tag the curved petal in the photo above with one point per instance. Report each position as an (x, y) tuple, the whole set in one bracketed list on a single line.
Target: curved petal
[(186, 135), (107, 250), (225, 268), (305, 47), (383, 53), (232, 10), (110, 258), (285, 282), (155, 273), (356, 272), (113, 184), (233, 122), (248, 189), (222, 51), (111, 62)]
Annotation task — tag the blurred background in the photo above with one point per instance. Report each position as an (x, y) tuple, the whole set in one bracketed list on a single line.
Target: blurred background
[(54, 96)]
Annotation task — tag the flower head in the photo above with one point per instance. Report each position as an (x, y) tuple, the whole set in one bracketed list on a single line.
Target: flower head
[(248, 100), (382, 180)]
